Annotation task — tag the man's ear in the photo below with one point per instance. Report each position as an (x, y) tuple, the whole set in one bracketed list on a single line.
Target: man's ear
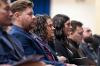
[(17, 14)]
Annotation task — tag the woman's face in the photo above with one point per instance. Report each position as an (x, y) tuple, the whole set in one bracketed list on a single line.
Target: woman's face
[(50, 28), (67, 27)]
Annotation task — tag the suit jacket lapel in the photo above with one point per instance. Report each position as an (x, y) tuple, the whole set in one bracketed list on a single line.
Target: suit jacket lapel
[(7, 42), (28, 35)]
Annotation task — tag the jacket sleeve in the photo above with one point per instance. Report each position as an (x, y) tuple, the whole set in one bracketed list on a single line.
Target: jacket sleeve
[(26, 43), (4, 57), (62, 51), (55, 63)]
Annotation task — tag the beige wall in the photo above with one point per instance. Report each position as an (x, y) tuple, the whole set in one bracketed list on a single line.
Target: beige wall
[(98, 16), (82, 11)]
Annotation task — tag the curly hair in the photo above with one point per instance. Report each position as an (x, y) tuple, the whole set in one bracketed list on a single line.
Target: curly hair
[(40, 28)]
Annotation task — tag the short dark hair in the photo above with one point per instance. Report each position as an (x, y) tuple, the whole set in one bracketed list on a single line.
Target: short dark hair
[(75, 24), (20, 5)]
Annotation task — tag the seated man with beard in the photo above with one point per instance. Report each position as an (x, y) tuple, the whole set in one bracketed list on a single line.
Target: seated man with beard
[(87, 44), (23, 18)]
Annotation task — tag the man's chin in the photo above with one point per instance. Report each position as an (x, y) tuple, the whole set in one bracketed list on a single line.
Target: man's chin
[(6, 24), (10, 24)]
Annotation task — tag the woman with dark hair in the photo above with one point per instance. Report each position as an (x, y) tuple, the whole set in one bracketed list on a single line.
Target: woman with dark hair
[(63, 45), (45, 31), (62, 27), (46, 34), (41, 30)]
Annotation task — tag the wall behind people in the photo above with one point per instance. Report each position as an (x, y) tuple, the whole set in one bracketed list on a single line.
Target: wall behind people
[(81, 10), (98, 17), (86, 11)]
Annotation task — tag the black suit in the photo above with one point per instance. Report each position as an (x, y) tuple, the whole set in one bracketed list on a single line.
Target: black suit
[(69, 49)]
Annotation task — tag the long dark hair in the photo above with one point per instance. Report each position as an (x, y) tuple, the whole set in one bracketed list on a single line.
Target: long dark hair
[(59, 20), (40, 28)]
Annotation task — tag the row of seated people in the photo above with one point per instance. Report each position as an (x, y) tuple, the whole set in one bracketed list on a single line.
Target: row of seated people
[(76, 43), (59, 40), (18, 44)]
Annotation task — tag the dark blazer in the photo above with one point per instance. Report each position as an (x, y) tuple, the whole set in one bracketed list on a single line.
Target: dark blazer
[(70, 49), (11, 49), (98, 62), (67, 48), (28, 43), (88, 51), (61, 48), (31, 44)]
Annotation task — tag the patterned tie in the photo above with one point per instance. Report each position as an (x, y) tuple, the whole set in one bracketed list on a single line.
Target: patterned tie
[(49, 54)]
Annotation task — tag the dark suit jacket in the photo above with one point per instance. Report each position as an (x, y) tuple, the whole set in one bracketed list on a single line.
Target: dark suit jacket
[(10, 48), (88, 51), (71, 50), (30, 43), (68, 49), (98, 62)]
